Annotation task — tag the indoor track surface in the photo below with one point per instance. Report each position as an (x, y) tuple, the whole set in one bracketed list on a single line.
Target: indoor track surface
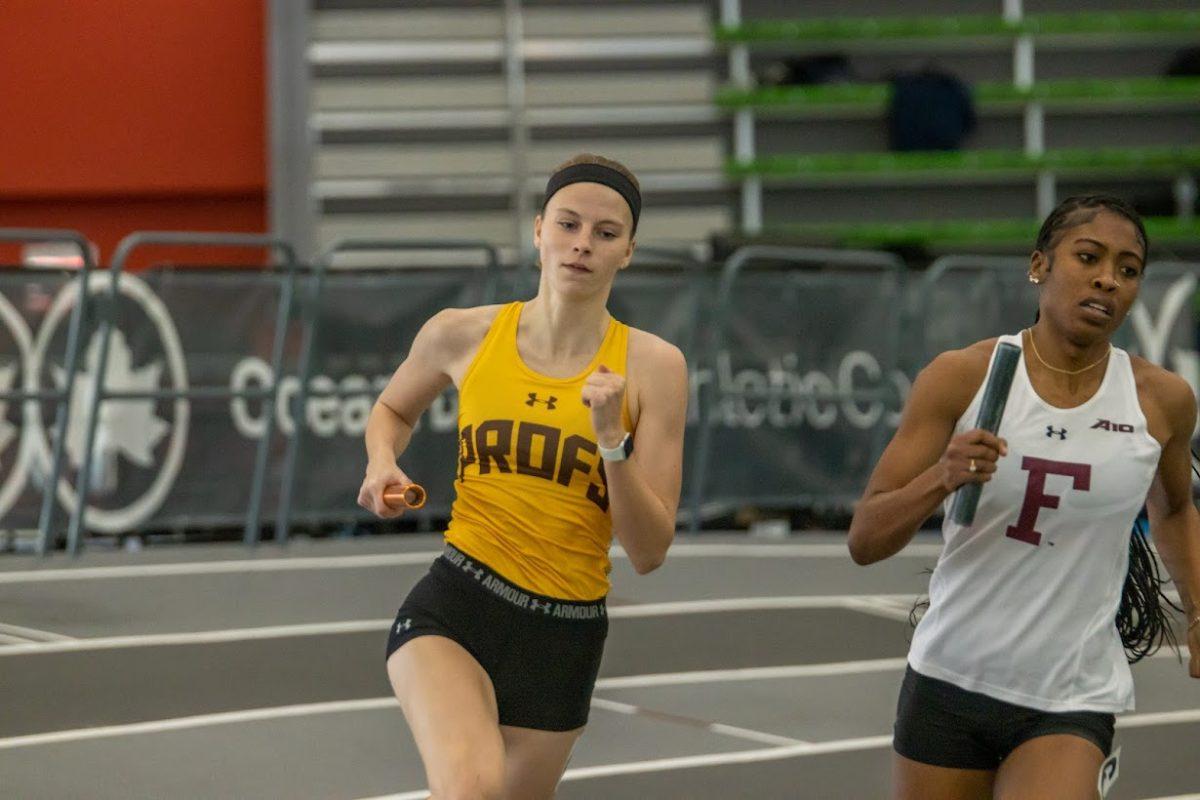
[(742, 668)]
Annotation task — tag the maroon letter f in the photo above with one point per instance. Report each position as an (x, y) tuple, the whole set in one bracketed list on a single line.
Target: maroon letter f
[(1036, 497)]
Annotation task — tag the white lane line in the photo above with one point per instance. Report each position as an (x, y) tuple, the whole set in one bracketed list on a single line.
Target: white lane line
[(679, 550), (751, 674), (358, 626), (283, 712), (733, 604), (712, 727), (820, 670), (219, 567), (888, 609), (704, 676), (1159, 718), (754, 736), (737, 757), (198, 721), (687, 762), (815, 601), (816, 748), (780, 753), (32, 634), (199, 637), (793, 549)]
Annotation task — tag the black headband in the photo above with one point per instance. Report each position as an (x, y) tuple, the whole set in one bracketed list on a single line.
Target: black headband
[(596, 173)]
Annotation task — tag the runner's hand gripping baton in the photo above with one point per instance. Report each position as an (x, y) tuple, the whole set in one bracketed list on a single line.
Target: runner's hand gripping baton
[(410, 496), (995, 395)]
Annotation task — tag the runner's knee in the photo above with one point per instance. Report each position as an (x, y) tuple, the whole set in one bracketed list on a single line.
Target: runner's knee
[(469, 778)]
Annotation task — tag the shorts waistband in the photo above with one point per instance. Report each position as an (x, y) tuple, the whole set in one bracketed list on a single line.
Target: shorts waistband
[(503, 589)]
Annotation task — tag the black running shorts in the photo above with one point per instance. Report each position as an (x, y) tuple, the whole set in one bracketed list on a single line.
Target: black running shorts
[(541, 653), (941, 724)]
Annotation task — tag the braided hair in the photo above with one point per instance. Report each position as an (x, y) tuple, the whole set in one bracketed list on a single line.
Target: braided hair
[(1143, 619), (1075, 211)]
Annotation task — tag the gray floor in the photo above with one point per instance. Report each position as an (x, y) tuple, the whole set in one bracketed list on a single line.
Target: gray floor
[(742, 668)]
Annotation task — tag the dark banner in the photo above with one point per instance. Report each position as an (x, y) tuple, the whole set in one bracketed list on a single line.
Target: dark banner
[(806, 385)]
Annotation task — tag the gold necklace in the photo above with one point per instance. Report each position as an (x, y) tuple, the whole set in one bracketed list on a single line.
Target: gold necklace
[(1042, 361)]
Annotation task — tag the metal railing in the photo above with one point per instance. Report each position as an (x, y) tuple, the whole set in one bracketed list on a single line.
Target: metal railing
[(732, 270), (61, 396), (993, 283), (493, 276), (986, 273), (269, 394), (904, 329)]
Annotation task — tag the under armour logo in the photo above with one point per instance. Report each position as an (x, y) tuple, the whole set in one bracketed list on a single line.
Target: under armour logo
[(1061, 433), (538, 605), (478, 572), (401, 627), (533, 400)]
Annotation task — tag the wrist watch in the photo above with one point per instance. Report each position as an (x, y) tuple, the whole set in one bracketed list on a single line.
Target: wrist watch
[(622, 451)]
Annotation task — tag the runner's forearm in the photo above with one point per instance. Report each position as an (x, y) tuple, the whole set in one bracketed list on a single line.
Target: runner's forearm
[(885, 522), (641, 521), (387, 434)]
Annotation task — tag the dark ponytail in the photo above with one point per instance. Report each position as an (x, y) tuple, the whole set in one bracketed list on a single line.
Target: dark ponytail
[(1142, 618)]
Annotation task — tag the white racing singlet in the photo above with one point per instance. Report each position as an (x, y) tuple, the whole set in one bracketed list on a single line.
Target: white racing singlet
[(1022, 604)]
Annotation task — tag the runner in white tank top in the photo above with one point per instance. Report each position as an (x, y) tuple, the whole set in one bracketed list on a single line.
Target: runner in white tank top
[(1017, 666), (1046, 556)]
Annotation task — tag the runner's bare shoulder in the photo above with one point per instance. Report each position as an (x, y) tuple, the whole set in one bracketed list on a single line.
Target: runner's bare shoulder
[(649, 352), (656, 369), (951, 380), (1160, 382), (454, 334), (1166, 399)]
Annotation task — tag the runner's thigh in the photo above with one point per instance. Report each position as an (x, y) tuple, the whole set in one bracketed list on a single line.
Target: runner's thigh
[(536, 760), (450, 706)]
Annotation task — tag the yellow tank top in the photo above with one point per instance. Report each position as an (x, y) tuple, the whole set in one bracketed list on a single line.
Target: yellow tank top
[(532, 497)]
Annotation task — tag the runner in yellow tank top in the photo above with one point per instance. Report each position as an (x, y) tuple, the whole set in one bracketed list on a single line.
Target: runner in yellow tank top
[(494, 653), (532, 494)]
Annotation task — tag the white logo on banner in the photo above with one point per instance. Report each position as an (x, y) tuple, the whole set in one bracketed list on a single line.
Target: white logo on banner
[(8, 432), (127, 428), (784, 397), (14, 482), (343, 413), (1154, 338), (778, 394)]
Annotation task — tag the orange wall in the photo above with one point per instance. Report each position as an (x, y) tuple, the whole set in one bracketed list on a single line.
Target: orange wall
[(120, 115)]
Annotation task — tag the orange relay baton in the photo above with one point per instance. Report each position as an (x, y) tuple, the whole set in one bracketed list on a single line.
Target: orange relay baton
[(410, 496)]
